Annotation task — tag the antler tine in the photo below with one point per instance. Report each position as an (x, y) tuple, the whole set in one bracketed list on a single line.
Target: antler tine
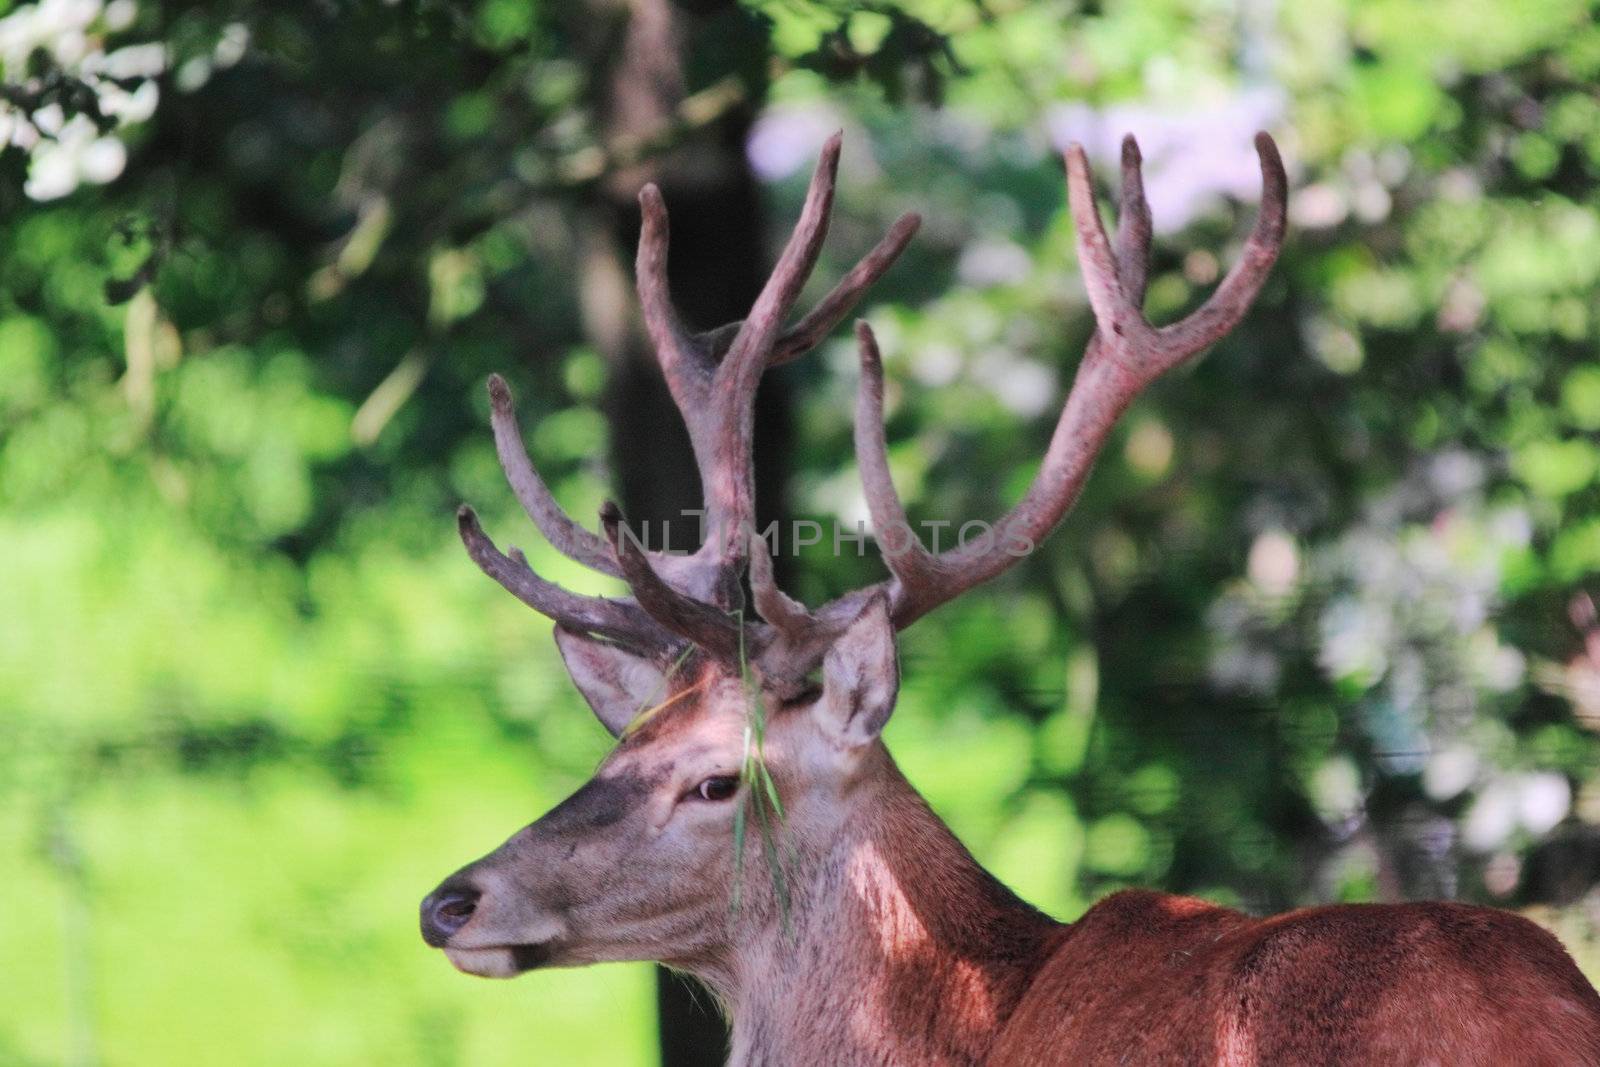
[(614, 619), (1121, 323), (832, 309), (1222, 312), (1134, 228), (759, 332), (1125, 354), (726, 457), (705, 626), (1131, 249), (913, 566), (787, 615), (684, 360), (570, 539)]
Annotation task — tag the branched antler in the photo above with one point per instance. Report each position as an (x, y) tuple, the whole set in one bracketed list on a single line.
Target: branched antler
[(713, 378), (616, 619), (1125, 354)]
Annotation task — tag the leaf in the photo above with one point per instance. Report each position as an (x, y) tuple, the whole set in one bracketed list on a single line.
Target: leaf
[(770, 787), (1580, 398), (1556, 468)]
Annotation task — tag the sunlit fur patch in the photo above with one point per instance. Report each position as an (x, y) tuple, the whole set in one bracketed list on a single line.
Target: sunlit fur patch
[(903, 938), (893, 918), (1236, 1045), (973, 1001)]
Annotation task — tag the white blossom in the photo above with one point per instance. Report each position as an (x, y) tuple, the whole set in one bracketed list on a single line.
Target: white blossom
[(66, 152)]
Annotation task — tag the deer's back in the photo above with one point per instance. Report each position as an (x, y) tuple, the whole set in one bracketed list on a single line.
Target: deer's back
[(1145, 978)]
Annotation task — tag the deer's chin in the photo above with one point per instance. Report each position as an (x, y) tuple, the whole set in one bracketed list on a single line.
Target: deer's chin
[(501, 961)]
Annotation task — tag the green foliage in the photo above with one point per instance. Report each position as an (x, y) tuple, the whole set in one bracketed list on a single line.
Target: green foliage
[(1307, 636)]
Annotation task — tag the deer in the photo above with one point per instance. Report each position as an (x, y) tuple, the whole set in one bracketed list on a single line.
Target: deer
[(875, 937)]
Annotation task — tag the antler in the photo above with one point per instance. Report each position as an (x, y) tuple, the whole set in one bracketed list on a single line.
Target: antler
[(1125, 354), (713, 377)]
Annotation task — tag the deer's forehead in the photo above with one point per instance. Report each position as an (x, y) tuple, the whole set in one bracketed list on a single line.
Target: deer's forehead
[(710, 724), (667, 765)]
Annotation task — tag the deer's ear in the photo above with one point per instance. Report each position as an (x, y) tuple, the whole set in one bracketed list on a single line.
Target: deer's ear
[(616, 683), (860, 678)]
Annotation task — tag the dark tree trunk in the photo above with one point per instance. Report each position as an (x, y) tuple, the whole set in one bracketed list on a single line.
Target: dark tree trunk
[(717, 264)]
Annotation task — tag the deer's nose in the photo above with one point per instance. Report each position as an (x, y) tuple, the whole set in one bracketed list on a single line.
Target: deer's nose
[(446, 910)]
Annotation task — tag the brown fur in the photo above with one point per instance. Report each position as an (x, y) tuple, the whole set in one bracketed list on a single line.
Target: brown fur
[(901, 949), (1145, 978), (898, 948)]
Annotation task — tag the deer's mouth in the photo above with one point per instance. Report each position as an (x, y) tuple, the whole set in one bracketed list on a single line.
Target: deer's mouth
[(500, 961)]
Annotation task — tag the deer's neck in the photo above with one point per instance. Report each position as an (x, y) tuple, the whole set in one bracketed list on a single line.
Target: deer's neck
[(900, 948)]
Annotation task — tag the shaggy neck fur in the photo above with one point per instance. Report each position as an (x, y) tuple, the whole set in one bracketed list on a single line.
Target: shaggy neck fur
[(901, 949)]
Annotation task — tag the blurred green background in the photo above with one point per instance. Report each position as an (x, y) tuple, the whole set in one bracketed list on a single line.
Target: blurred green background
[(1317, 630)]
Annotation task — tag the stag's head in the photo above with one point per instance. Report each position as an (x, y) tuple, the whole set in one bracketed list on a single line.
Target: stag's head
[(645, 860), (752, 736)]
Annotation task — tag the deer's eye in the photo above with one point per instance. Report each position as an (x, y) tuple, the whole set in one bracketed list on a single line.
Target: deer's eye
[(718, 787)]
